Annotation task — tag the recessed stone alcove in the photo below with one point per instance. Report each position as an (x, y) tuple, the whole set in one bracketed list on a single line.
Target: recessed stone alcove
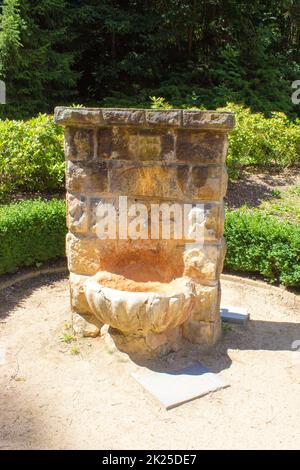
[(152, 292)]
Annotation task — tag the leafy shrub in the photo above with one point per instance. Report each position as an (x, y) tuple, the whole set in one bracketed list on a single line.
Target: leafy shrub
[(31, 155), (31, 232), (260, 141), (258, 242)]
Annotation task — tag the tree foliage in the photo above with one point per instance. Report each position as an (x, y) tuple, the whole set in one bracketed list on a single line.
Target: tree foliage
[(35, 58), (117, 52)]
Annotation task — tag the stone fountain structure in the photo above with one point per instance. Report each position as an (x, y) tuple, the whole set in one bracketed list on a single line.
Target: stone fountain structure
[(153, 292)]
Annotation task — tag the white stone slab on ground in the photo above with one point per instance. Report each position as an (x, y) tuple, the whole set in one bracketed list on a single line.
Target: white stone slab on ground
[(175, 388), (234, 314)]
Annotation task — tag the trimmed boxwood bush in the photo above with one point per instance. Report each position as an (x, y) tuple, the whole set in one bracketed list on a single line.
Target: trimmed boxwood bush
[(258, 242), (34, 231), (31, 232)]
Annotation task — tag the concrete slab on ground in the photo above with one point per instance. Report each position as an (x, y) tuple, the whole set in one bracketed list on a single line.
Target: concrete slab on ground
[(234, 314), (177, 387)]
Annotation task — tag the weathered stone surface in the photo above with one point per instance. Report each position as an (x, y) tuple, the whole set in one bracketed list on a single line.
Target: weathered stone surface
[(77, 295), (144, 347), (149, 145), (83, 326), (204, 262), (123, 116), (79, 143), (129, 143), (83, 255), (214, 221), (118, 143), (138, 259), (104, 143), (78, 116), (87, 256), (148, 289), (204, 183), (77, 213), (171, 337), (116, 301), (207, 183), (208, 120), (203, 333), (85, 177), (201, 147), (205, 120), (207, 305), (168, 118)]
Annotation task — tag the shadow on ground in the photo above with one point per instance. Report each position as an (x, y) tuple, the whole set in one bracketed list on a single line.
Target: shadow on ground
[(254, 188), (14, 296), (256, 335), (22, 425)]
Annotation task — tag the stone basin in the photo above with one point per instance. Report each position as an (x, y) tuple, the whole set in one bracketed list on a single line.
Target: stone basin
[(151, 286), (139, 307)]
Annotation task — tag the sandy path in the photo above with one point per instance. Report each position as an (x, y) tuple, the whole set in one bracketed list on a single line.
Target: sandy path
[(53, 399)]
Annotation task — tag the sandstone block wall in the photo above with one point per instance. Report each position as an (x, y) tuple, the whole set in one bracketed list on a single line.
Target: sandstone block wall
[(149, 156)]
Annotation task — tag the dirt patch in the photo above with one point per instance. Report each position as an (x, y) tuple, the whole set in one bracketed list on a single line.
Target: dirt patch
[(59, 392), (252, 188)]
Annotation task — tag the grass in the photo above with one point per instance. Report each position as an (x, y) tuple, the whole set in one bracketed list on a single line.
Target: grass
[(74, 351), (285, 205), (227, 328), (67, 338)]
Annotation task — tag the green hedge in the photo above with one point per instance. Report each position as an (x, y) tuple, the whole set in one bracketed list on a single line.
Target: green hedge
[(31, 232), (31, 155), (260, 243)]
